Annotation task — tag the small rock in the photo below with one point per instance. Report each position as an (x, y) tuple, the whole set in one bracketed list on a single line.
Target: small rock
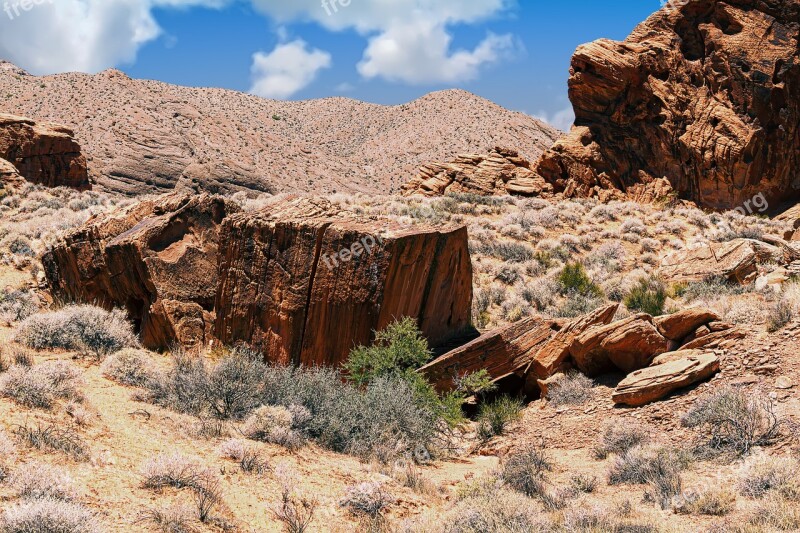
[(783, 383)]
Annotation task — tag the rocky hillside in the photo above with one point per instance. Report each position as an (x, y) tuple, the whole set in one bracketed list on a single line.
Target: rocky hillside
[(143, 135), (705, 94)]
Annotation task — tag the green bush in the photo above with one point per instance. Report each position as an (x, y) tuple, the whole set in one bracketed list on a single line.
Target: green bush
[(648, 296), (398, 348), (574, 279), (494, 416)]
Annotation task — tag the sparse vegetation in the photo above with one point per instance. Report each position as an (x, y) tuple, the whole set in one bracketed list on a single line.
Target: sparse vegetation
[(572, 388), (526, 470), (41, 385), (78, 327), (648, 296), (573, 279), (618, 438), (47, 515), (764, 475), (52, 438), (494, 416), (129, 367), (735, 420)]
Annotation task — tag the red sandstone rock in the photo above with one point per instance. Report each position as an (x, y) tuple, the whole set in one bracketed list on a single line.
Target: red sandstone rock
[(499, 352), (653, 383), (156, 259), (627, 345), (306, 283), (736, 260), (706, 94), (42, 153), (678, 326)]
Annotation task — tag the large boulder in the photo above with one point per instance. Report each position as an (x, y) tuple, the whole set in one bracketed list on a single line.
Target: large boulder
[(653, 383), (704, 93), (554, 354), (502, 171), (736, 260), (627, 345), (306, 282), (42, 153), (500, 352), (157, 259)]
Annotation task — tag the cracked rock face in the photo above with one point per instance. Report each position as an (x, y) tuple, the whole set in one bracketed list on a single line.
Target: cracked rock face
[(305, 282), (157, 259), (706, 95), (41, 153)]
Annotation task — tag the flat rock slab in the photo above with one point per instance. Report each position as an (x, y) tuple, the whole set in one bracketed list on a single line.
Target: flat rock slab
[(655, 382), (500, 352), (680, 325), (737, 261)]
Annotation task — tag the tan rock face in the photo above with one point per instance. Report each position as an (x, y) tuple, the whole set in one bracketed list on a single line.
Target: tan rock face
[(156, 259), (737, 261), (627, 345), (306, 283), (500, 352), (653, 383), (502, 171), (42, 153), (706, 94)]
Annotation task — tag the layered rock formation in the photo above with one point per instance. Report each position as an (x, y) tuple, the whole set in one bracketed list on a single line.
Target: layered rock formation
[(306, 283), (736, 261), (502, 171), (706, 94), (156, 259), (41, 153), (500, 352)]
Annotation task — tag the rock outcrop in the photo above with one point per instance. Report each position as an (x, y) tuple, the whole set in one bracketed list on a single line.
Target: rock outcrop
[(626, 345), (306, 283), (680, 325), (502, 171), (42, 153), (655, 382), (500, 352), (157, 259), (737, 261), (705, 94)]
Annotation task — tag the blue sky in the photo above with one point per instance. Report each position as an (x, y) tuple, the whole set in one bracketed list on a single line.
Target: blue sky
[(515, 53)]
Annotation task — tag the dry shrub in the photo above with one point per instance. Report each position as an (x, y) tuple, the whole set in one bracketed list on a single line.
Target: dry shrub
[(180, 472), (294, 511), (766, 474), (526, 470), (620, 437), (8, 453), (570, 389), (48, 516), (169, 520), (41, 385), (368, 499), (658, 467), (129, 367), (250, 459), (735, 420), (718, 501), (53, 438)]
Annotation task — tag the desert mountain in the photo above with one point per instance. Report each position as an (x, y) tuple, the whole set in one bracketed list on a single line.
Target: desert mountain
[(141, 135)]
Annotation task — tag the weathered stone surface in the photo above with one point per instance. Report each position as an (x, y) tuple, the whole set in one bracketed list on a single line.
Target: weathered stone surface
[(670, 357), (678, 326), (716, 339), (736, 260), (554, 354), (705, 93), (42, 153), (157, 259), (502, 171), (627, 345), (499, 352), (655, 382), (305, 283)]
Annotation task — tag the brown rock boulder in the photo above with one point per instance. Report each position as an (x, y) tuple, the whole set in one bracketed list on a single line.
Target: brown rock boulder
[(551, 357), (305, 282), (737, 261), (500, 172), (705, 93), (726, 338), (156, 259), (678, 326), (627, 345), (43, 153), (500, 352), (653, 383)]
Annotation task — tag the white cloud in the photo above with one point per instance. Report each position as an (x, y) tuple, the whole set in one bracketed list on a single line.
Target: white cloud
[(562, 120), (289, 68), (81, 35), (409, 40)]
